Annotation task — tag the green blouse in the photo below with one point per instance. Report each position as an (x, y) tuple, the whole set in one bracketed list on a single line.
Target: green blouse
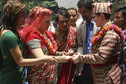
[(11, 73)]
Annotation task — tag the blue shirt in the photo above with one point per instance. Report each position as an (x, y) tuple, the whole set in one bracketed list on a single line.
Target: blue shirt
[(89, 34)]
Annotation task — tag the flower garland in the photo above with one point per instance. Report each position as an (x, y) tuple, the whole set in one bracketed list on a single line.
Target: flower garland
[(46, 42), (100, 34)]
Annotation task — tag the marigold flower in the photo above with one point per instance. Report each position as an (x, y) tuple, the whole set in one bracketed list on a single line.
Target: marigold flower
[(99, 36), (105, 29), (110, 26), (101, 33)]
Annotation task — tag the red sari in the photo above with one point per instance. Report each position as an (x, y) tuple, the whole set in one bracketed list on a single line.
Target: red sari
[(65, 42), (40, 73)]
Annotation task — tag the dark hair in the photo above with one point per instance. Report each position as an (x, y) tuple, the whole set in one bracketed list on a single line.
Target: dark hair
[(86, 3), (61, 11), (72, 8), (122, 10), (107, 16), (11, 12)]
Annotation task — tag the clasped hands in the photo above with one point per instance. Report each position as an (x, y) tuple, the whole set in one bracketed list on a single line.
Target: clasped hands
[(66, 58), (62, 59)]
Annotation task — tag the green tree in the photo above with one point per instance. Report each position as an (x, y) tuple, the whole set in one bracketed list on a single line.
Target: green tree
[(44, 3), (51, 4), (2, 2)]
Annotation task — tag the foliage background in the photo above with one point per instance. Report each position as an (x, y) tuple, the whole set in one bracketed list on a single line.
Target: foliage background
[(52, 4)]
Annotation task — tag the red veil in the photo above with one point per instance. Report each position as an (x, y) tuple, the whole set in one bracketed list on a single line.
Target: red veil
[(34, 20)]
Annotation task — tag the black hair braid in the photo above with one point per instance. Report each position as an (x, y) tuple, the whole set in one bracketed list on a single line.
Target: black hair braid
[(22, 47)]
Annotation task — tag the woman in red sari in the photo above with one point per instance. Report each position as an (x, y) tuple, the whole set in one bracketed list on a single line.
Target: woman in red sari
[(72, 26), (39, 43), (66, 41)]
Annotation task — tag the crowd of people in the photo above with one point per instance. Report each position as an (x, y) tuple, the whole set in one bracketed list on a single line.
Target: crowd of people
[(80, 46)]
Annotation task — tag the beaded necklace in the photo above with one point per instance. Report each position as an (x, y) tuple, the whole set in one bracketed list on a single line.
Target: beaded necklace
[(53, 48), (101, 33)]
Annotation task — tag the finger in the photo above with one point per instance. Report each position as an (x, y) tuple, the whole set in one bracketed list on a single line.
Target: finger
[(53, 57), (73, 59), (56, 61)]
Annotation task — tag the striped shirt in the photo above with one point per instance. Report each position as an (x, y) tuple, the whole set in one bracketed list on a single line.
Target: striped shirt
[(103, 59)]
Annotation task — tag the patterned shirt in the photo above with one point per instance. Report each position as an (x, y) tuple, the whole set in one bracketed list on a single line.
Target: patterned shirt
[(122, 57)]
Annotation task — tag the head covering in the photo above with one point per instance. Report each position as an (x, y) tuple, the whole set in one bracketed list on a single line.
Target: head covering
[(35, 20), (37, 15), (102, 7)]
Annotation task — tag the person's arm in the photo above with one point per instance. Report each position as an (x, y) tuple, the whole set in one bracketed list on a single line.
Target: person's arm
[(106, 49), (37, 53), (17, 55), (35, 47)]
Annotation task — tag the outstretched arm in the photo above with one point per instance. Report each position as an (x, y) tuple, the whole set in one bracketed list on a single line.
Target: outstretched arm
[(109, 47), (17, 55)]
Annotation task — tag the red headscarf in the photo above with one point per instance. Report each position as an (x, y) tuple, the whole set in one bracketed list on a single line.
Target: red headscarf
[(34, 20)]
